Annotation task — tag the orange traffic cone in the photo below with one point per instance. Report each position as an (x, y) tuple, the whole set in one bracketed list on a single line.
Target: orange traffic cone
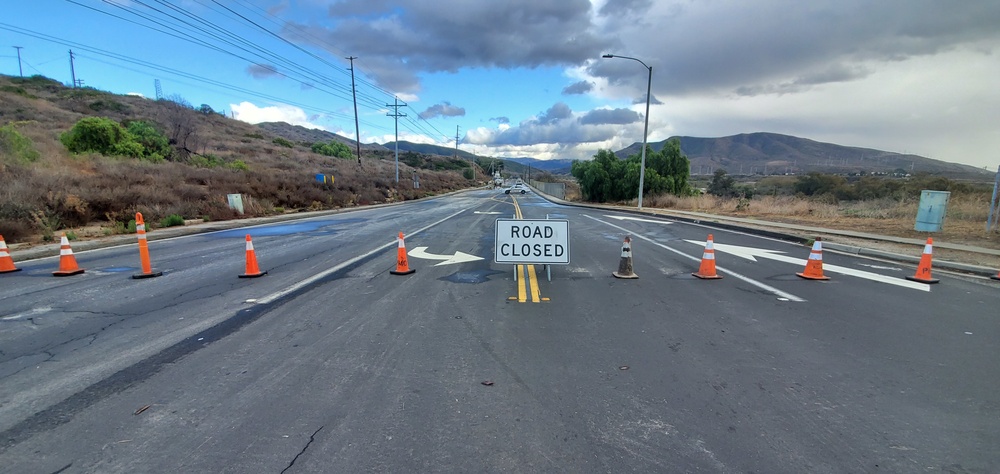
[(147, 269), (625, 264), (6, 263), (67, 262), (923, 274), (996, 277), (707, 269), (402, 265), (814, 266), (253, 271)]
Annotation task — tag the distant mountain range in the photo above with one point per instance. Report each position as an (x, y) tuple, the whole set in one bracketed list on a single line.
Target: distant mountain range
[(743, 154), (772, 153)]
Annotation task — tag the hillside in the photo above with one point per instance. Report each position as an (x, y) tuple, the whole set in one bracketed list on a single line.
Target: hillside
[(772, 153), (300, 134), (48, 190)]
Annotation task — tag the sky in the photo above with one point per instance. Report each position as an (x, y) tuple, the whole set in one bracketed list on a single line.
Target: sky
[(527, 78)]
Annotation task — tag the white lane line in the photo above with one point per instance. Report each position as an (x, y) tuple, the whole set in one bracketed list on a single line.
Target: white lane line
[(340, 266), (781, 294)]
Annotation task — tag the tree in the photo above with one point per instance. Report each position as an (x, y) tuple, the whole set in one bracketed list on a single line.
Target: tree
[(607, 178), (722, 184), (179, 119), (206, 109)]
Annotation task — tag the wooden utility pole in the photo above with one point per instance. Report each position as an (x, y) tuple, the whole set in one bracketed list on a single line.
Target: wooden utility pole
[(20, 71), (354, 93)]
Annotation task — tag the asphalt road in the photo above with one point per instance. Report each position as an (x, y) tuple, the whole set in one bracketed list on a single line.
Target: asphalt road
[(331, 364)]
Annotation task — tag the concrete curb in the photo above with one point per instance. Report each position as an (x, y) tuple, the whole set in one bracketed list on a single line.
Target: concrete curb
[(52, 250)]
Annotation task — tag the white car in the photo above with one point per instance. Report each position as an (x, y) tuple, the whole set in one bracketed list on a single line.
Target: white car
[(517, 188)]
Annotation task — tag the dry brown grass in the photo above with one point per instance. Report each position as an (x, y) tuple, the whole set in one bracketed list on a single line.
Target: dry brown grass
[(965, 221), (63, 191)]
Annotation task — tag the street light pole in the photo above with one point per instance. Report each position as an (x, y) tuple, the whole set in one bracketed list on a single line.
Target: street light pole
[(645, 128)]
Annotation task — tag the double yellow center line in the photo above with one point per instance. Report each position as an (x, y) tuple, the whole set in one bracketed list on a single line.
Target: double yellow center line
[(525, 273)]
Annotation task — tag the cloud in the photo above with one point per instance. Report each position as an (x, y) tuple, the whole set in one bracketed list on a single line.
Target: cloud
[(556, 112), (581, 87), (250, 113), (556, 126), (261, 71), (500, 120), (774, 46), (610, 116), (444, 109), (399, 39)]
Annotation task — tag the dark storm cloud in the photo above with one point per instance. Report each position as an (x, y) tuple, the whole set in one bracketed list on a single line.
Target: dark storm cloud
[(625, 7), (260, 71), (556, 112), (395, 40), (778, 46), (557, 125), (581, 87), (444, 109), (610, 116)]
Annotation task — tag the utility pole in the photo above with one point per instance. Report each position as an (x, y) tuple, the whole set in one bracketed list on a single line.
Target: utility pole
[(72, 69), (456, 141), (354, 93), (159, 90), (396, 115), (19, 70)]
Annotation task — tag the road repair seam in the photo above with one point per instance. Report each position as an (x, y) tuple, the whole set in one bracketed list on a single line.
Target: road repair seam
[(336, 268)]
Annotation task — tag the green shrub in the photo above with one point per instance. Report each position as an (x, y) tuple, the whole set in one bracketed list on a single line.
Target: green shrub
[(171, 221), (105, 136), (18, 146), (70, 235), (253, 135), (334, 148), (94, 134), (282, 142), (18, 90), (207, 160), (107, 104), (155, 145), (238, 165)]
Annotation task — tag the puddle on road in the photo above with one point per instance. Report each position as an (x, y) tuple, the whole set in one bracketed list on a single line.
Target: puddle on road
[(322, 227), (474, 276)]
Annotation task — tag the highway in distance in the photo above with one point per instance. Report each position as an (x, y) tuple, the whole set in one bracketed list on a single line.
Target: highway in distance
[(329, 363)]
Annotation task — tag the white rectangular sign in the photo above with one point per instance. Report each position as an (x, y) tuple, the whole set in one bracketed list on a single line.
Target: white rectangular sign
[(527, 241)]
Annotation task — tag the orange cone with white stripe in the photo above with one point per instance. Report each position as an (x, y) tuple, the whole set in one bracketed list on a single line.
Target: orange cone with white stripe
[(996, 277), (147, 268), (402, 264), (67, 262), (252, 271), (6, 262), (814, 266), (707, 269), (625, 264), (923, 274)]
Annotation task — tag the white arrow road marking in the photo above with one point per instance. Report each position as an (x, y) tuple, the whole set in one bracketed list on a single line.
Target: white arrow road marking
[(459, 257), (487, 212), (750, 252), (782, 296), (637, 219)]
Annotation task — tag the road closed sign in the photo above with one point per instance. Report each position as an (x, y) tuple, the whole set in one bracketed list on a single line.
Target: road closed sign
[(527, 241)]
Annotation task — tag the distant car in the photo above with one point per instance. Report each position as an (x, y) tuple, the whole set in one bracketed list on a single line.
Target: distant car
[(515, 189)]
